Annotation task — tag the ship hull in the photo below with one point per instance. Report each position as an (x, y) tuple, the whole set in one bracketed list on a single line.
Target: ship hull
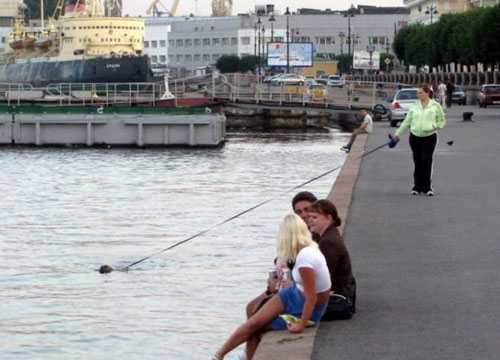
[(125, 69)]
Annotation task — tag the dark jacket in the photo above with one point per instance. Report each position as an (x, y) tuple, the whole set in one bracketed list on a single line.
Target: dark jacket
[(338, 261)]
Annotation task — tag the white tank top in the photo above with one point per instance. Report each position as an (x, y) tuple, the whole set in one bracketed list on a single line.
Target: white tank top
[(311, 257)]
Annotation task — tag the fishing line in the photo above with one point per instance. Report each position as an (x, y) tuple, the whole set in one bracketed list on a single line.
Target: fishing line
[(107, 269)]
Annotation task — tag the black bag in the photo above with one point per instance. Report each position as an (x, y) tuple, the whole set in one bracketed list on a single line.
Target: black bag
[(339, 308)]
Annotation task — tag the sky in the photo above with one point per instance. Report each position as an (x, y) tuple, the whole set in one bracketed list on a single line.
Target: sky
[(186, 7)]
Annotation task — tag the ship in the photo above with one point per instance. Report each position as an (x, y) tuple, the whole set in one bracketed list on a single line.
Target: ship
[(80, 44)]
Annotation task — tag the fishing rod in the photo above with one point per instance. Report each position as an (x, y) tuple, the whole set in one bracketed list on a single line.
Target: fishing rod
[(104, 269)]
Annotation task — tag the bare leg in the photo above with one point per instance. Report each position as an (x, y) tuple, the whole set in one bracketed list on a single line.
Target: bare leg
[(253, 326), (253, 305)]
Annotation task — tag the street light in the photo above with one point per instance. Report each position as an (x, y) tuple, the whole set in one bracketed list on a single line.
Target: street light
[(349, 15), (432, 10), (272, 19), (342, 36), (258, 24), (255, 39), (370, 48), (287, 13), (263, 45)]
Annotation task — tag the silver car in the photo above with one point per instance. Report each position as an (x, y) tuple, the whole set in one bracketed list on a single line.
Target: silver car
[(400, 105)]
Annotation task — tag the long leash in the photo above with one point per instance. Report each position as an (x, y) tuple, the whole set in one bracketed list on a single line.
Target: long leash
[(390, 143)]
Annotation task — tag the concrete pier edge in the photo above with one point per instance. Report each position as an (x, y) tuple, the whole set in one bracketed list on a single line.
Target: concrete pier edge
[(282, 345)]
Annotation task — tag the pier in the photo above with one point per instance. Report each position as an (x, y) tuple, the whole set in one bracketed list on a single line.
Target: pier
[(425, 266)]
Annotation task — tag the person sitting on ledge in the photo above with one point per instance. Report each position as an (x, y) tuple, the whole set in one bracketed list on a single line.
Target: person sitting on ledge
[(300, 202), (365, 128), (324, 220), (301, 304)]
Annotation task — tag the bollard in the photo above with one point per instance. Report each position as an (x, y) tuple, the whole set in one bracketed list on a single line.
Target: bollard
[(467, 116)]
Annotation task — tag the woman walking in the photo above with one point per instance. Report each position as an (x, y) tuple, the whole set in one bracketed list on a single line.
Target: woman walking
[(306, 299), (424, 119)]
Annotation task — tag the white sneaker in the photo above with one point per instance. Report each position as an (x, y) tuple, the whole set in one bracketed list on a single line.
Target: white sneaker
[(429, 193), (242, 355), (345, 148)]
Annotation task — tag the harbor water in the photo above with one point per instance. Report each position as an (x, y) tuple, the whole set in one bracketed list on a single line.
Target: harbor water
[(65, 212)]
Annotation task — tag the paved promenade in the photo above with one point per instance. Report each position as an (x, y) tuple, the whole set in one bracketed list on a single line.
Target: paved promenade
[(428, 268)]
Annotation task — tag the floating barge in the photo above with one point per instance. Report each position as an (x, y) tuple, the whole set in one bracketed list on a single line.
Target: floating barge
[(101, 126)]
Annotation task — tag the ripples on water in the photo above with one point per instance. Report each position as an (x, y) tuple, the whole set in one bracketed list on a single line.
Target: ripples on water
[(64, 212)]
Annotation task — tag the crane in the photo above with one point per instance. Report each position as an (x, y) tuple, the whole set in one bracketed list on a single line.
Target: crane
[(153, 8), (222, 7)]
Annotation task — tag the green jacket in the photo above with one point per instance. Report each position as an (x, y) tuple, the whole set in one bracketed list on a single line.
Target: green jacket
[(423, 122)]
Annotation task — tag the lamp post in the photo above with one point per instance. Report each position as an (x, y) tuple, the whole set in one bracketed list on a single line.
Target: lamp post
[(432, 10), (255, 39), (272, 19), (259, 23), (349, 15), (370, 48), (263, 43), (342, 36), (287, 13)]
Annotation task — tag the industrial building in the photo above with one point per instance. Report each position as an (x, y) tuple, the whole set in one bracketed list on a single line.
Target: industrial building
[(185, 44)]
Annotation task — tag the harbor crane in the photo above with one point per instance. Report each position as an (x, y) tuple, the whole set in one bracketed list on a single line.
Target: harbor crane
[(154, 8), (222, 7)]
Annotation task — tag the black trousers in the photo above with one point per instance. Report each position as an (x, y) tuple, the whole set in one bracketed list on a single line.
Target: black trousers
[(423, 152)]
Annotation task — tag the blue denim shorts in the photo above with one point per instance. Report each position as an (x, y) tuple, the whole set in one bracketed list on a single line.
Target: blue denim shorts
[(293, 302)]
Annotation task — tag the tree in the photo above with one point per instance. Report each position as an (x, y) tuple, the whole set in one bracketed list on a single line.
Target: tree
[(248, 63), (344, 63), (228, 63)]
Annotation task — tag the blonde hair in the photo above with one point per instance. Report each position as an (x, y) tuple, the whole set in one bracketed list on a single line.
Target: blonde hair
[(292, 234)]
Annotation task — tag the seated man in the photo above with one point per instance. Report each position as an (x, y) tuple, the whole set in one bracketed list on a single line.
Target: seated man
[(365, 128), (300, 203)]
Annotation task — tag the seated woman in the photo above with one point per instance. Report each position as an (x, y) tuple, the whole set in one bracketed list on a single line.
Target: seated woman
[(306, 299), (323, 220)]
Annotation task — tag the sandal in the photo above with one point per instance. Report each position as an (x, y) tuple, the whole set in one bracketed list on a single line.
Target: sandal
[(216, 357)]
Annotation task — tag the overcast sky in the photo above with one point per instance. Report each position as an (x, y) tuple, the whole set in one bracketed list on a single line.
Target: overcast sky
[(186, 7)]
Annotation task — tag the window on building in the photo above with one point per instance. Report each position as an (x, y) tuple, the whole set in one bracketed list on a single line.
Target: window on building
[(215, 41), (206, 57), (163, 58), (179, 43), (163, 43), (197, 58), (188, 42), (171, 43), (215, 57), (206, 42), (234, 41), (225, 41), (197, 42), (170, 58), (146, 44), (154, 58), (178, 58), (279, 39), (245, 40), (188, 58), (154, 44), (305, 39), (377, 40)]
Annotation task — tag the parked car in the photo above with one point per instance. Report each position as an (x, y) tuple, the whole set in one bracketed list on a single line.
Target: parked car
[(489, 95), (269, 79), (335, 80), (400, 105), (289, 79), (459, 96), (310, 80), (322, 81), (316, 92)]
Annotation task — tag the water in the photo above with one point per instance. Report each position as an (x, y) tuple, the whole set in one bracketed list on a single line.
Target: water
[(65, 212)]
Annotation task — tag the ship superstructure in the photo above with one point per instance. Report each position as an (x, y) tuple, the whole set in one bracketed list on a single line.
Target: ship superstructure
[(80, 44)]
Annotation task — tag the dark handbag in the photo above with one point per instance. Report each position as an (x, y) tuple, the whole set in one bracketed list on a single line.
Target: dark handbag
[(339, 308)]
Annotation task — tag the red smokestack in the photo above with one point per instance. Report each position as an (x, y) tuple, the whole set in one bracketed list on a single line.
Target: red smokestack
[(75, 6)]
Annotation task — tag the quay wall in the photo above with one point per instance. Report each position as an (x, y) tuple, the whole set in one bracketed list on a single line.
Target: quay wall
[(200, 130)]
